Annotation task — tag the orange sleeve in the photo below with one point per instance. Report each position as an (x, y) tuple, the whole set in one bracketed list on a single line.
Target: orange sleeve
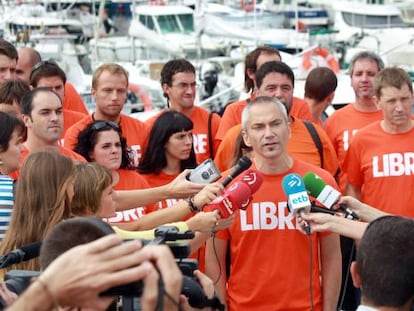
[(300, 109), (71, 135), (330, 159), (72, 100), (230, 118), (71, 154), (70, 117), (352, 164), (225, 151)]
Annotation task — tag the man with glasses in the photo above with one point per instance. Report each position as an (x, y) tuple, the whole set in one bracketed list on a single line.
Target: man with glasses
[(48, 74), (28, 58), (109, 89), (178, 81)]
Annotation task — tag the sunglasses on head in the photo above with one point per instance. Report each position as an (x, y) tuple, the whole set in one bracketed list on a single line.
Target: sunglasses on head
[(99, 125)]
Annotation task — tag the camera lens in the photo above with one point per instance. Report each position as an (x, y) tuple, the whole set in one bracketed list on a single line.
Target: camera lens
[(205, 175)]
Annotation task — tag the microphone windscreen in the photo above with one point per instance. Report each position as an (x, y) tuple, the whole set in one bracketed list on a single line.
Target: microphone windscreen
[(294, 188), (244, 162), (292, 184), (314, 184), (253, 179), (239, 195), (31, 250)]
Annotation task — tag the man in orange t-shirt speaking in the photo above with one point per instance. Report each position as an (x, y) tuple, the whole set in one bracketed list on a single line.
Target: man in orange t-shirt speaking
[(269, 258)]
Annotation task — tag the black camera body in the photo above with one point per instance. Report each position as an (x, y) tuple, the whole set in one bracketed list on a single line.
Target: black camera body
[(163, 235), (18, 280), (190, 288)]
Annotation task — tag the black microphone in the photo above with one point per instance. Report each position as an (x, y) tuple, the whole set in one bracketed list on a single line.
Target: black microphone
[(23, 253), (243, 164), (318, 209)]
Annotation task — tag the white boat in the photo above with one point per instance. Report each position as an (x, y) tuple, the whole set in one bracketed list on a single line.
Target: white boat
[(29, 20), (159, 32), (354, 18), (251, 28), (371, 27), (298, 13)]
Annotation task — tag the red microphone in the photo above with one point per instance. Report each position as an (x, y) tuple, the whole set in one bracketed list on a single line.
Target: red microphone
[(237, 196), (253, 179)]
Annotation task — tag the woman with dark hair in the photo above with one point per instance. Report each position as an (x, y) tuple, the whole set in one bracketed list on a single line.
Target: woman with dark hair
[(11, 131), (102, 142), (169, 150)]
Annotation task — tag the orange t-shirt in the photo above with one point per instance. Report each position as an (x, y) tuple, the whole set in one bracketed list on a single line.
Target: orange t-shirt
[(129, 180), (133, 130), (70, 117), (269, 256), (72, 100), (201, 144), (62, 150), (232, 115), (157, 180), (342, 125), (300, 145), (383, 165)]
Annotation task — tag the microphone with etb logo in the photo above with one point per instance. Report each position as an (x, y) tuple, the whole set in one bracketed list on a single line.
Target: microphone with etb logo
[(298, 199)]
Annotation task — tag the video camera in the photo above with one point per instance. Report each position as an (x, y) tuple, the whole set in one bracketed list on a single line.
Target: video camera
[(190, 288), (18, 280)]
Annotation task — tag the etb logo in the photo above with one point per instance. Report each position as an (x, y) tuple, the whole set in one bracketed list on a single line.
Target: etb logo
[(300, 199)]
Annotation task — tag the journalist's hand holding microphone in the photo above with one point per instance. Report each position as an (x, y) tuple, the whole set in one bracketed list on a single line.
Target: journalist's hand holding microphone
[(365, 211), (207, 194)]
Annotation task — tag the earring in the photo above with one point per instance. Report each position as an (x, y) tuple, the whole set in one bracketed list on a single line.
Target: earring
[(1, 162)]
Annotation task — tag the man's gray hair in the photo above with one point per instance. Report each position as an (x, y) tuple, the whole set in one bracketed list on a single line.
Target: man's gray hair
[(365, 55), (261, 100)]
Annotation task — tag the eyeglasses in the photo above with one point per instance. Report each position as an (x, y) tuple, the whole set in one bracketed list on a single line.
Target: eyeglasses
[(41, 64), (99, 125), (185, 86)]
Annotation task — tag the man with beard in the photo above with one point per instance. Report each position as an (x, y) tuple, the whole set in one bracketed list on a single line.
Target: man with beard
[(379, 162), (342, 126), (8, 61), (276, 79)]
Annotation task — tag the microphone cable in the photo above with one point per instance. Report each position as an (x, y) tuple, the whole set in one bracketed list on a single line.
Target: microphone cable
[(310, 271), (348, 271), (213, 235)]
